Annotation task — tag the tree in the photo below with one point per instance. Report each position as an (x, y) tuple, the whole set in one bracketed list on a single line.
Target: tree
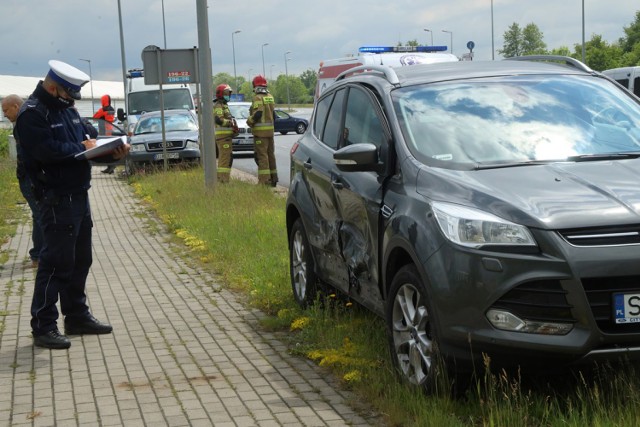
[(309, 79), (532, 41), (630, 43), (599, 55), (512, 41)]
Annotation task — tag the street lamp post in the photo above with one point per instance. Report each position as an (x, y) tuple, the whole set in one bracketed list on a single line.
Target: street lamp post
[(493, 56), (431, 33), (286, 73), (164, 29), (93, 108), (233, 46), (271, 71), (451, 36), (583, 48), (263, 71), (249, 75)]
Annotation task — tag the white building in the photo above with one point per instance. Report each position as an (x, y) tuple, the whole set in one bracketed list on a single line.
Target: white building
[(24, 86)]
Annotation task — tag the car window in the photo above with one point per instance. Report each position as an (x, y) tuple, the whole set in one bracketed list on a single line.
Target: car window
[(361, 123), (333, 126), (517, 119), (320, 115)]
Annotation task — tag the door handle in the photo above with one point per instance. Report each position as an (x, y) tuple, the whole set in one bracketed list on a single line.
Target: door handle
[(307, 165)]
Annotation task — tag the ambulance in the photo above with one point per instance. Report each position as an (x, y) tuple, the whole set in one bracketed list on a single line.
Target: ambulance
[(628, 77), (394, 56)]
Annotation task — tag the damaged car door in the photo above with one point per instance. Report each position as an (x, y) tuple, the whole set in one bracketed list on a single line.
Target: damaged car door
[(357, 191)]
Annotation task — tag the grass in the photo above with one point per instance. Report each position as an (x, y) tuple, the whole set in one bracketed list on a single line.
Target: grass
[(238, 231)]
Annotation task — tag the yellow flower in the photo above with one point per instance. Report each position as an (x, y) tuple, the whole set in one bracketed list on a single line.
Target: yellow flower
[(354, 376), (300, 323)]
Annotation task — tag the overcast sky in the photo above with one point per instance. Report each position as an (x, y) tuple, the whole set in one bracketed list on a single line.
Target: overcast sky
[(34, 31)]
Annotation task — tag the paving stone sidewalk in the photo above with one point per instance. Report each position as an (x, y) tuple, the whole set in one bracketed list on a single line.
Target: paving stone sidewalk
[(184, 351)]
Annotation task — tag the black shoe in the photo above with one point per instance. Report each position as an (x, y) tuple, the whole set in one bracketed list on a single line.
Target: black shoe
[(88, 326), (52, 339), (108, 170)]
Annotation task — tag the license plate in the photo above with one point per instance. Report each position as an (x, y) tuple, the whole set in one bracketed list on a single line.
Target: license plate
[(160, 156), (243, 141), (626, 308)]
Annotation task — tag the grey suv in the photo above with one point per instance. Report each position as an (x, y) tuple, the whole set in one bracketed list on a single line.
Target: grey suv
[(480, 208)]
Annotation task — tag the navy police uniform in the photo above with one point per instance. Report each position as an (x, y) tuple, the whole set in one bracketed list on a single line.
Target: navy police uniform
[(52, 132)]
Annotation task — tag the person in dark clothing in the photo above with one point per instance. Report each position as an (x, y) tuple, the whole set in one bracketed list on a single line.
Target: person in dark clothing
[(52, 133), (10, 106), (106, 114)]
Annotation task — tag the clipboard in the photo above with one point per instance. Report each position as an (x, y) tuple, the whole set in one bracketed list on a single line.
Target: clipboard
[(103, 147)]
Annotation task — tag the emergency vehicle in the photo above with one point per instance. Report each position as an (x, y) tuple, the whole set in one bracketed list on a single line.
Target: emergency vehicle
[(628, 77), (394, 56)]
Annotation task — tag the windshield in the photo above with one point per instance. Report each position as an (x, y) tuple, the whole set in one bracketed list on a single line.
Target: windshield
[(149, 100), (239, 111), (172, 123), (507, 120)]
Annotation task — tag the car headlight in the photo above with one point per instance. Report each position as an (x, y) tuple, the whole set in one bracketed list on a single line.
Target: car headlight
[(474, 228), (192, 145), (137, 147)]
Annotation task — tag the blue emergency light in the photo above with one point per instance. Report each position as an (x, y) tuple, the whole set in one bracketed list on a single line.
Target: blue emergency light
[(386, 49), (136, 73)]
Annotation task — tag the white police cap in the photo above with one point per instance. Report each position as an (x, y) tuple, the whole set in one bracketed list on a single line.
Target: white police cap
[(70, 78)]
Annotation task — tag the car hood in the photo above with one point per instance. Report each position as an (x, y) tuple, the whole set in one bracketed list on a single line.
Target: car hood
[(552, 196), (170, 136)]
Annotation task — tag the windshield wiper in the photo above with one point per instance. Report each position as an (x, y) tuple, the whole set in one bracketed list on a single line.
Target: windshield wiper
[(604, 156), (482, 166)]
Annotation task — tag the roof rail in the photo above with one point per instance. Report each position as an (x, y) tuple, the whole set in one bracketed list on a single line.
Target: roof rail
[(553, 58), (387, 71)]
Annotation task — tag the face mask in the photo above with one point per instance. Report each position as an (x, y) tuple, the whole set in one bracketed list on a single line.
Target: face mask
[(226, 97), (65, 103)]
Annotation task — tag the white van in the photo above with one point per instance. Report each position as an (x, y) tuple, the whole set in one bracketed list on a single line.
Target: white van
[(394, 56), (142, 98), (628, 77)]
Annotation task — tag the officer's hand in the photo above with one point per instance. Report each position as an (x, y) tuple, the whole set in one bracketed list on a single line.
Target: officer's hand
[(218, 121), (89, 143), (121, 151), (257, 115)]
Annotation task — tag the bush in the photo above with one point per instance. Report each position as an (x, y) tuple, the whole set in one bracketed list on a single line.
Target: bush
[(4, 143)]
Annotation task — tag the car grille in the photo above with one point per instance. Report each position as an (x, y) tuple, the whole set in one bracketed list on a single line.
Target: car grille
[(603, 236), (600, 292), (171, 145), (543, 300), (244, 130)]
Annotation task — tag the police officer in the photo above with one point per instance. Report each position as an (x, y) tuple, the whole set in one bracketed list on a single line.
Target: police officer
[(225, 129), (261, 119), (52, 133)]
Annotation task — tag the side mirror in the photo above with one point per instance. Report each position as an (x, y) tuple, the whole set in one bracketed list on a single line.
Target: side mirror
[(357, 158), (121, 114)]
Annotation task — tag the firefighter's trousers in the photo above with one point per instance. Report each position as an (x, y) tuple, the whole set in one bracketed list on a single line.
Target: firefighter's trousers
[(225, 159), (266, 160)]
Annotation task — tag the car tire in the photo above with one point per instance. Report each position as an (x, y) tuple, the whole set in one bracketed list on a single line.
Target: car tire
[(300, 128), (412, 334), (283, 132), (304, 283)]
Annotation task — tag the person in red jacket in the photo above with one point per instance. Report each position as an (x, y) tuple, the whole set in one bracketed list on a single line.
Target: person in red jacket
[(107, 116)]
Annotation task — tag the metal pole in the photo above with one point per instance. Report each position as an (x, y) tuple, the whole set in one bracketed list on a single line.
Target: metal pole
[(164, 31), (583, 47), (493, 49), (124, 64), (93, 107), (451, 36), (286, 73), (431, 33), (263, 71), (233, 46), (206, 82)]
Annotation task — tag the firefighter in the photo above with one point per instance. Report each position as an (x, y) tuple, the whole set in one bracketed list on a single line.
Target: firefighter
[(261, 119), (225, 129), (106, 113)]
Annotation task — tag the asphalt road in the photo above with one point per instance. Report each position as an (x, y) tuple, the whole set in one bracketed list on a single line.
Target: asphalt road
[(246, 163)]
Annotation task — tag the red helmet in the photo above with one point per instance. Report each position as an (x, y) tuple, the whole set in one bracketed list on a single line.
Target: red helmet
[(221, 89), (259, 81)]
